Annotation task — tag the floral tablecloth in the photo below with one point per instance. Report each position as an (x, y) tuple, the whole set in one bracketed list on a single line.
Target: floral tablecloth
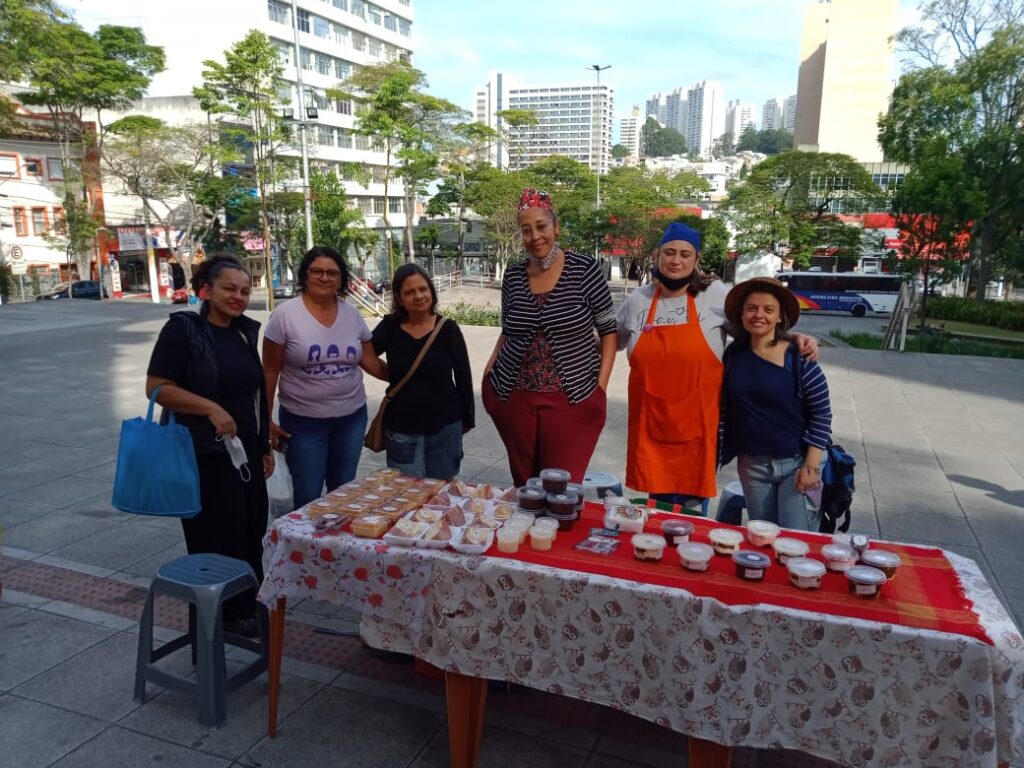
[(855, 692)]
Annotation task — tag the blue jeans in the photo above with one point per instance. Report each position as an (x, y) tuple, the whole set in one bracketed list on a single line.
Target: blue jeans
[(322, 450), (435, 455), (770, 492)]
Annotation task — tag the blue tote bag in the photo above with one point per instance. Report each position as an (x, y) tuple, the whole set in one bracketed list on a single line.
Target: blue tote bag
[(156, 468)]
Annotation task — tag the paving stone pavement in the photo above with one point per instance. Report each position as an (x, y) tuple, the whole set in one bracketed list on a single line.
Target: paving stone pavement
[(940, 460)]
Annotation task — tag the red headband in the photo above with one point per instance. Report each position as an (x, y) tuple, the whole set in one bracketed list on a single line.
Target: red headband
[(531, 198)]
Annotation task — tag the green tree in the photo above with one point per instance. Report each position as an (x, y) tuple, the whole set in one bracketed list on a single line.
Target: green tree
[(406, 122), (934, 208), (247, 86), (660, 141), (516, 128), (619, 152), (723, 146), (23, 24), (971, 109), (767, 142), (465, 147), (494, 194), (333, 214), (787, 203)]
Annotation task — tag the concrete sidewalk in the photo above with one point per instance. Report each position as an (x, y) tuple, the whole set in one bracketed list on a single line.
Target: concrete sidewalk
[(940, 461)]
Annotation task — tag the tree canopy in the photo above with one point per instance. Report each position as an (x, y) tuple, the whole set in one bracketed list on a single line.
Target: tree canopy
[(657, 140), (767, 142)]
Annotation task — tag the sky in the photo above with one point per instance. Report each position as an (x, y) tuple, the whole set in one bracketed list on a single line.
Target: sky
[(751, 46)]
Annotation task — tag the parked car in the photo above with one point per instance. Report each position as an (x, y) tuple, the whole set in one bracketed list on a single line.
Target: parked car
[(180, 296), (283, 291), (80, 289)]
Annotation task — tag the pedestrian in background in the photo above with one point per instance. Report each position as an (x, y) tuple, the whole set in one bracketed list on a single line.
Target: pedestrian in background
[(776, 409), (426, 420), (208, 369), (545, 382), (315, 349)]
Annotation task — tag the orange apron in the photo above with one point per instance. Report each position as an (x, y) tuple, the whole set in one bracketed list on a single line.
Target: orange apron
[(675, 380)]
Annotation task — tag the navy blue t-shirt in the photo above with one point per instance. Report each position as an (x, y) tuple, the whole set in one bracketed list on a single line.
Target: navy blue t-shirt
[(766, 415)]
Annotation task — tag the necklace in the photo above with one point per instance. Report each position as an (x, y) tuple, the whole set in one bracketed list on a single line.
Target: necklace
[(545, 263)]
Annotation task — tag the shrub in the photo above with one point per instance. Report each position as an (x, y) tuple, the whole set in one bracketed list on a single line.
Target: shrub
[(466, 314), (6, 281), (943, 344), (1008, 315)]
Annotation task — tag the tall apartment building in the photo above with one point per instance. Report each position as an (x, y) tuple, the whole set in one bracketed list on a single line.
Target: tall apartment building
[(772, 115), (846, 70), (655, 107), (574, 120), (789, 113), (705, 120), (335, 37), (739, 115), (676, 110), (629, 132)]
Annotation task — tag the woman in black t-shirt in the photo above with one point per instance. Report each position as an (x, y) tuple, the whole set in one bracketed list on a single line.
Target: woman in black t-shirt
[(425, 422), (210, 376)]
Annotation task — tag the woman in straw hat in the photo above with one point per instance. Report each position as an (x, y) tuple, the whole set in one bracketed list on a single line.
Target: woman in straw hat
[(776, 411)]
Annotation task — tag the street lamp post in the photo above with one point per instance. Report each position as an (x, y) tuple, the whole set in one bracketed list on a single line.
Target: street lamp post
[(598, 69), (307, 201)]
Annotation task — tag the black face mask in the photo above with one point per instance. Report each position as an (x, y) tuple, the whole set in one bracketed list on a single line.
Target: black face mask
[(668, 282)]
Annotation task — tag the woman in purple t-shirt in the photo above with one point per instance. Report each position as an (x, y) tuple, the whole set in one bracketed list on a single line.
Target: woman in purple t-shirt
[(313, 350)]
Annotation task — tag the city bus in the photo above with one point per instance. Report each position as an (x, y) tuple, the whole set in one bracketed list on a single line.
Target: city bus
[(854, 292)]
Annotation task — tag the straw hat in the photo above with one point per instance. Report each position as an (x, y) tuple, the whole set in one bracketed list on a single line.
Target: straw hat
[(787, 301)]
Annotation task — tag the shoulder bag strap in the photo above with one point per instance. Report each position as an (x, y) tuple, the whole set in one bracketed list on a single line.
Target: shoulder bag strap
[(390, 394)]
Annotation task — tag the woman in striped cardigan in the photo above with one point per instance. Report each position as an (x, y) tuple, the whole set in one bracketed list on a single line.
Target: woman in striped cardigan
[(775, 406), (544, 385)]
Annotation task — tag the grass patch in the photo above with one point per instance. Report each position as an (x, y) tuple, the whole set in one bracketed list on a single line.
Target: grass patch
[(938, 344), (466, 314), (973, 329)]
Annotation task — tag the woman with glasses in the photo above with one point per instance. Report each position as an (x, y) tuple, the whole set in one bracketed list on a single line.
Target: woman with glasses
[(313, 350)]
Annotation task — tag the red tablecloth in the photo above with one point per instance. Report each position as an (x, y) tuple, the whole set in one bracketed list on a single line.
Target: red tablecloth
[(926, 592)]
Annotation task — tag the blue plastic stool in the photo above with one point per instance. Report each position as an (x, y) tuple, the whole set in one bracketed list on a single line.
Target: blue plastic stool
[(731, 504), (601, 484), (205, 581)]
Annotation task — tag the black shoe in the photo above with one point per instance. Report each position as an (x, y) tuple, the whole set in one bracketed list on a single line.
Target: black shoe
[(246, 627)]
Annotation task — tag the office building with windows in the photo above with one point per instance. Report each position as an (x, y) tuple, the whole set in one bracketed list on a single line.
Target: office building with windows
[(573, 120), (705, 116), (772, 116), (629, 133), (846, 75), (739, 115), (789, 113)]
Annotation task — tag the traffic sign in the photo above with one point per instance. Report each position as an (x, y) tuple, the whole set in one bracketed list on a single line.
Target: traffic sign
[(19, 268), (16, 252)]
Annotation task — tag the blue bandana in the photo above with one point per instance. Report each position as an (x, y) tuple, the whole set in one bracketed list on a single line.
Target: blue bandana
[(677, 231)]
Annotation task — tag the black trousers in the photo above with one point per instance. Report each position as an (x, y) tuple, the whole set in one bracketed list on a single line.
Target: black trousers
[(233, 520)]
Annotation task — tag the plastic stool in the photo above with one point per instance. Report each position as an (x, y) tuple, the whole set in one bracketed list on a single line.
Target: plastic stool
[(601, 484), (205, 581), (731, 504)]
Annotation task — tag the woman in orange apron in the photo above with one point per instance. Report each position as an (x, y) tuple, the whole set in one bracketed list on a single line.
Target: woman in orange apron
[(674, 332)]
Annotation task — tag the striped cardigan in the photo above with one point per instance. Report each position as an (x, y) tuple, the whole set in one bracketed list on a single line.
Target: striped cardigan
[(579, 305)]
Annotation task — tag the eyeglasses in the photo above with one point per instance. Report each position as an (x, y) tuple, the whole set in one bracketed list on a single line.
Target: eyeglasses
[(331, 274)]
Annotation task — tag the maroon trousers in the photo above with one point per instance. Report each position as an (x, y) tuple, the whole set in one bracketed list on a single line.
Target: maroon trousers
[(542, 430)]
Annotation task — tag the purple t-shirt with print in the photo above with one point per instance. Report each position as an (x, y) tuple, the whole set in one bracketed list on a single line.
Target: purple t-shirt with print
[(320, 377)]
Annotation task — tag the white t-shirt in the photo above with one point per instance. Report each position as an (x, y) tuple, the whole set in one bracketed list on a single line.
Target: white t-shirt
[(632, 315), (320, 377)]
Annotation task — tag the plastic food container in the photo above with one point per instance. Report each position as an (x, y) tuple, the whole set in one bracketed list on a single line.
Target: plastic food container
[(565, 522), (531, 499), (839, 557), (805, 573), (761, 533), (549, 524), (750, 565), (562, 503), (508, 540), (535, 482), (726, 541), (520, 529), (555, 480), (473, 541), (580, 492), (886, 562), (319, 508), (615, 501), (625, 517), (677, 531), (522, 518), (865, 581), (785, 549), (695, 556), (541, 537), (648, 546)]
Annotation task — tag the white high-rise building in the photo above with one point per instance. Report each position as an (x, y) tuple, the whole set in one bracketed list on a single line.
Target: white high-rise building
[(574, 120), (739, 115), (772, 115), (789, 113), (629, 132), (335, 38), (655, 107), (676, 110), (705, 116)]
